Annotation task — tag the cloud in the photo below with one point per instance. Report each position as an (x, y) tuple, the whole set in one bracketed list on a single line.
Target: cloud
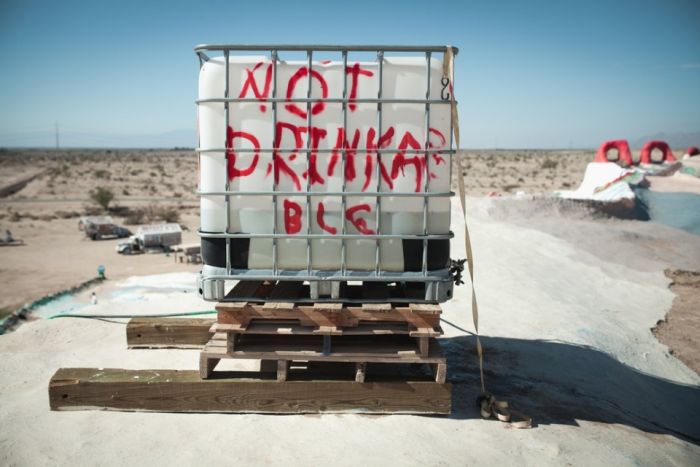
[(690, 66)]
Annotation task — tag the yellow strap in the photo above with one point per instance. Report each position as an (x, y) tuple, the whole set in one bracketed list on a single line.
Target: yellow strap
[(489, 405)]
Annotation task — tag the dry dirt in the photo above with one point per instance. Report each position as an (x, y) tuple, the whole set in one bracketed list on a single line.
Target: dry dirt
[(680, 331), (531, 171), (147, 186)]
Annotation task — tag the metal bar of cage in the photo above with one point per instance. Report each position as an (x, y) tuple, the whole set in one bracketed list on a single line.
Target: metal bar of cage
[(227, 198), (424, 266), (249, 274), (199, 49), (343, 274), (391, 194), (377, 170), (329, 151), (326, 100), (273, 56), (308, 162), (343, 198), (325, 236)]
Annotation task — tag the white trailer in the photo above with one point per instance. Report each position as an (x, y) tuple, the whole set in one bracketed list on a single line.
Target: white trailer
[(152, 237)]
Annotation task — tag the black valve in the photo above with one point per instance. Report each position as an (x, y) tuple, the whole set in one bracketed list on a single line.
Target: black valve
[(456, 269)]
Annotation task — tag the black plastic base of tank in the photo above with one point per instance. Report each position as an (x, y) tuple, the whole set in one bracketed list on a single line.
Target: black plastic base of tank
[(214, 253)]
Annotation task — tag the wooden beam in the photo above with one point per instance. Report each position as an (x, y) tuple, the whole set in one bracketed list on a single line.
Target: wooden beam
[(184, 391), (282, 370), (168, 332), (360, 370)]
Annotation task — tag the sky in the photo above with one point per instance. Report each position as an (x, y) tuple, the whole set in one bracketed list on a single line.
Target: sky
[(529, 74)]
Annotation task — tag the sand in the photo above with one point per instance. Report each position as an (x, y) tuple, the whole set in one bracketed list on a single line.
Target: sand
[(679, 330), (45, 215), (567, 299)]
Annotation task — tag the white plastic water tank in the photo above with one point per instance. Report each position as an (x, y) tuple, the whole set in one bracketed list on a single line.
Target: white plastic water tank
[(254, 129)]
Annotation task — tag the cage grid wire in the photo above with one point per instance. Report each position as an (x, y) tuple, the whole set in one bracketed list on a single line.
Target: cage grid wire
[(437, 282)]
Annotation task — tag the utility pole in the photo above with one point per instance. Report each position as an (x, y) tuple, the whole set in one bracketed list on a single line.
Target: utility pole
[(57, 146)]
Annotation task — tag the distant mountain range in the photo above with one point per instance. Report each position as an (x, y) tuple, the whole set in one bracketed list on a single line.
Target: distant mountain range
[(675, 140), (42, 139)]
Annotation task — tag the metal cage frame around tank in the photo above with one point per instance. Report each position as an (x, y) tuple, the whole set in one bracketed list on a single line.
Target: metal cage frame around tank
[(438, 283)]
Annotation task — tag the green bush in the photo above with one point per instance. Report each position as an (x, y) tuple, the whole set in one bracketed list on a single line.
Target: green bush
[(102, 196)]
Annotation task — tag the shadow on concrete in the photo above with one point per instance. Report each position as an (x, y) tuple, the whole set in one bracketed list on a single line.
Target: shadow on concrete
[(562, 383)]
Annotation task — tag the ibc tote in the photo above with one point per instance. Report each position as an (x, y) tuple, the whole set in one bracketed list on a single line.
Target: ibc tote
[(325, 170)]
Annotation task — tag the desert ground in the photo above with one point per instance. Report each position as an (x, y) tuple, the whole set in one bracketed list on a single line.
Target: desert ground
[(154, 185), (590, 325)]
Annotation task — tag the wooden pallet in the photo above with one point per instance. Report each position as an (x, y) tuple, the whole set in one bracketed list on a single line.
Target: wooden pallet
[(168, 333), (185, 391), (325, 318), (194, 333), (357, 349)]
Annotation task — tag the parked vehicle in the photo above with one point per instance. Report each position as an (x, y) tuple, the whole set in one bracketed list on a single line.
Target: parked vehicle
[(98, 227), (160, 237)]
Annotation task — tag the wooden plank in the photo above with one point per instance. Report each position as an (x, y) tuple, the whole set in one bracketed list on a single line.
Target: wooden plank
[(184, 391), (423, 346), (292, 327), (311, 348), (322, 315), (231, 342), (360, 370), (168, 332), (329, 307), (440, 372), (425, 308), (192, 333), (207, 365), (277, 307), (282, 370), (377, 307)]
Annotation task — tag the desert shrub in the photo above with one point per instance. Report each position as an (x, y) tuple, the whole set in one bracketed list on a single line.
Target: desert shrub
[(102, 196), (15, 216), (164, 213), (549, 164), (125, 192), (135, 217), (67, 214), (101, 173), (63, 171), (91, 210)]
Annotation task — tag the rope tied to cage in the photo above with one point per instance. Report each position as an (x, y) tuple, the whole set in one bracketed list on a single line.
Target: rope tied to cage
[(489, 406)]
